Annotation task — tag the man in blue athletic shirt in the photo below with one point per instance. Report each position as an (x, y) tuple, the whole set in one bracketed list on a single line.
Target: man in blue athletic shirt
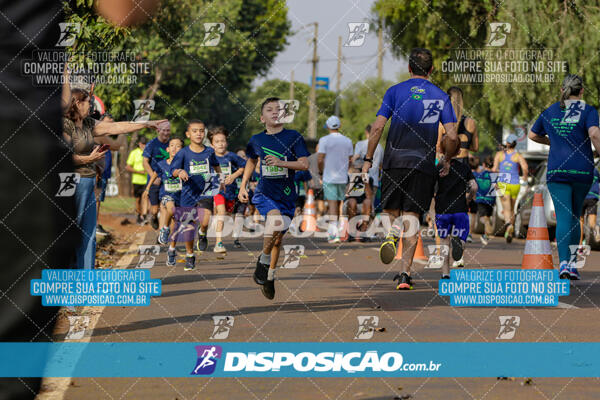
[(281, 152), (416, 108)]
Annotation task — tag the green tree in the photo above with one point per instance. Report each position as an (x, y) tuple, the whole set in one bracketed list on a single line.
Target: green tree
[(187, 79), (360, 102), (444, 27)]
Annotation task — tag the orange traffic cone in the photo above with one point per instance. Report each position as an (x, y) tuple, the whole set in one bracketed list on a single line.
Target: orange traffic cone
[(419, 252), (309, 218), (537, 253)]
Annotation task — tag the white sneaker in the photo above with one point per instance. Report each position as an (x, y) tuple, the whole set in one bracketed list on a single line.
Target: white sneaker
[(458, 264), (220, 248)]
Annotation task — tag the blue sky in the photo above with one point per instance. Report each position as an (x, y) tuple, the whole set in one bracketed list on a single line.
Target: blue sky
[(333, 17)]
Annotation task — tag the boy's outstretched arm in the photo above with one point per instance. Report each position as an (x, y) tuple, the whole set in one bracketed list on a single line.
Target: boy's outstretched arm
[(248, 170), (300, 165)]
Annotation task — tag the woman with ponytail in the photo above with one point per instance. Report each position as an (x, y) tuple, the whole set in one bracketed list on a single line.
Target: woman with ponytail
[(569, 127)]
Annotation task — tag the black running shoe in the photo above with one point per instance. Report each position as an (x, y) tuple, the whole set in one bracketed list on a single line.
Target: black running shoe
[(237, 244), (444, 276), (404, 281), (261, 272), (457, 248), (101, 231), (139, 220), (202, 243), (268, 289), (190, 263), (154, 222)]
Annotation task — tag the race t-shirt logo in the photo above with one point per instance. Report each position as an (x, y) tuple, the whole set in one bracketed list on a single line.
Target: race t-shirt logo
[(498, 33), (68, 33), (207, 359), (358, 34), (431, 111), (573, 112)]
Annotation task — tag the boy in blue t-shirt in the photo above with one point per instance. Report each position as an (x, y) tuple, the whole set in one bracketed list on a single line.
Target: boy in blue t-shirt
[(232, 167), (281, 152), (169, 196), (195, 165)]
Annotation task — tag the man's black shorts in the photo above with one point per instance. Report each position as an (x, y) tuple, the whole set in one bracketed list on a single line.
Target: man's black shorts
[(407, 189), (207, 203), (138, 190), (589, 207), (484, 210), (472, 207)]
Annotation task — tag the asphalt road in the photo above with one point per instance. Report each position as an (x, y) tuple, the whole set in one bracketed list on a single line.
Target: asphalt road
[(320, 300)]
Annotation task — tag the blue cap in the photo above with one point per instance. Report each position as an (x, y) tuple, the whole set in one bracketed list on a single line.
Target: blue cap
[(511, 139), (333, 122)]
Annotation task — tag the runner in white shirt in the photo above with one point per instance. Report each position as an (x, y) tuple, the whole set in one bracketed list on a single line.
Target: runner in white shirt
[(334, 158)]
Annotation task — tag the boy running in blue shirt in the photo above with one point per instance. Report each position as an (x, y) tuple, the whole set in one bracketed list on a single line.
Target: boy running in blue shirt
[(194, 165), (169, 196), (281, 152), (232, 167)]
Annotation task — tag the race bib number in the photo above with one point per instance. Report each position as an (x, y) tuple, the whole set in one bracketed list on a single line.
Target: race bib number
[(199, 167), (271, 171), (173, 186), (226, 169), (356, 187)]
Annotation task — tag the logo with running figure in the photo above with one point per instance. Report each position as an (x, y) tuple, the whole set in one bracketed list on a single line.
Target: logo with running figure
[(357, 35), (223, 324), (508, 326), (68, 33), (366, 326), (431, 111), (143, 108), (573, 113), (293, 254), (287, 111), (68, 183), (207, 359), (498, 33), (212, 33)]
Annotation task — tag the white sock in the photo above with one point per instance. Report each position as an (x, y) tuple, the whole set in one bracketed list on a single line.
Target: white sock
[(171, 248), (190, 255), (265, 258), (271, 274)]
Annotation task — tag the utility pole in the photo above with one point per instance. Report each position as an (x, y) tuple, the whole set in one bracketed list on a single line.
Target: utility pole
[(312, 106), (380, 52), (339, 77), (292, 86)]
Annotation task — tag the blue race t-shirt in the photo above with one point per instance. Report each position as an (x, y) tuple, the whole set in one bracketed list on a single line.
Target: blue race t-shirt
[(277, 183), (594, 192), (199, 167), (230, 163), (301, 176), (170, 185), (416, 107), (484, 186), (570, 158), (155, 151)]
